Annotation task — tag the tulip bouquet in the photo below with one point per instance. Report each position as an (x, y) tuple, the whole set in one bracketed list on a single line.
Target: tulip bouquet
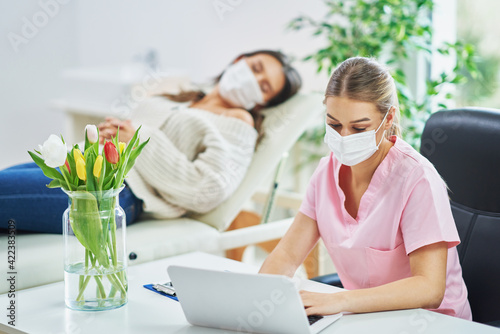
[(94, 251), (90, 170)]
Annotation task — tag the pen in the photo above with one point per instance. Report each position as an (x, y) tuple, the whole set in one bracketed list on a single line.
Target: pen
[(169, 290)]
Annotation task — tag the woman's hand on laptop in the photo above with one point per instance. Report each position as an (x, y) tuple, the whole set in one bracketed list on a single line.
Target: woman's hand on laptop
[(322, 303)]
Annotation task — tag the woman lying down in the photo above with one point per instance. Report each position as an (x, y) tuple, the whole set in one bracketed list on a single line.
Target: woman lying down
[(200, 149)]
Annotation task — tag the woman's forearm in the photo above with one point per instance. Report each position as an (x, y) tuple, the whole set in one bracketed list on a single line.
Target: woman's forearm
[(412, 292), (293, 247), (278, 263), (424, 289)]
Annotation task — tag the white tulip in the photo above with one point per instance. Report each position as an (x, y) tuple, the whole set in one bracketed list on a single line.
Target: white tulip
[(53, 151), (92, 134)]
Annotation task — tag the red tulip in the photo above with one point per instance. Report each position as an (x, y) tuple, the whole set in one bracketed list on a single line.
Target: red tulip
[(67, 166), (111, 152)]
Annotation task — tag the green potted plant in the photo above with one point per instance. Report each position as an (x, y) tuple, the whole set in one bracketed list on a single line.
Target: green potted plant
[(391, 31)]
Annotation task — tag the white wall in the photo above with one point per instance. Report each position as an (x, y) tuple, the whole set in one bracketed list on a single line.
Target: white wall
[(198, 36), (30, 60)]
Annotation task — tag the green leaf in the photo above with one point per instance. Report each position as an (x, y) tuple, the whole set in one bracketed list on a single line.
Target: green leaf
[(54, 184), (89, 167), (96, 144), (134, 155), (133, 142), (87, 143), (71, 186), (101, 178), (114, 140), (86, 224), (108, 180), (47, 171), (109, 183), (120, 174), (72, 165)]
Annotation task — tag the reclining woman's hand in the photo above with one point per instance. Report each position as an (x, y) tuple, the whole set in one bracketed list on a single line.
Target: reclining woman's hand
[(109, 128)]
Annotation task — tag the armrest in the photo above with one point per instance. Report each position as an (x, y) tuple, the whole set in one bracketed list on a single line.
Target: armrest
[(283, 199), (330, 279), (254, 234)]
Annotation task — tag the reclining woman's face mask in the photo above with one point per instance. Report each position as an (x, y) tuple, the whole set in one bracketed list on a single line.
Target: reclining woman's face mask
[(239, 86)]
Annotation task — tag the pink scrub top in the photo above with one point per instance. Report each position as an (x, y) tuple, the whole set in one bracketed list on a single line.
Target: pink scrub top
[(405, 207)]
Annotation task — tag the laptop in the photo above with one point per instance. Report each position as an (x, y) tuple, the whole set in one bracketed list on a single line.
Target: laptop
[(256, 303)]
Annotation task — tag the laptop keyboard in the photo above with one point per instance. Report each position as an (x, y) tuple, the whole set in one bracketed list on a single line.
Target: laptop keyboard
[(313, 318)]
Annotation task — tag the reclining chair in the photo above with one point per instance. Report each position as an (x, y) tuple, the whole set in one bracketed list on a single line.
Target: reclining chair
[(40, 256)]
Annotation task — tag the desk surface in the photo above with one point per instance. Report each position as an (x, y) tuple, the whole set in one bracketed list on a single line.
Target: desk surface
[(42, 309)]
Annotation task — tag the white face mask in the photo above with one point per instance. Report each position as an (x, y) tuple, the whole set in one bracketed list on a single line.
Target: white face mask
[(239, 86), (353, 149)]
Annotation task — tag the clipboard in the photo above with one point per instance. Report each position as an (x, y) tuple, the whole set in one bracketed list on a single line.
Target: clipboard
[(150, 287)]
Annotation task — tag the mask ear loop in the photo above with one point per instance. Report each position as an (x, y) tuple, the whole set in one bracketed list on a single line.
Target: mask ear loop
[(380, 142), (385, 116)]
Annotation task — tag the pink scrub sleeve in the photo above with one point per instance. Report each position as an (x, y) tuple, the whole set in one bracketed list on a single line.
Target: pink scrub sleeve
[(308, 206), (427, 216)]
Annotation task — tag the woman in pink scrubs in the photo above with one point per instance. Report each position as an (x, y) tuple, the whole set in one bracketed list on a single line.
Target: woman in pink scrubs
[(381, 209)]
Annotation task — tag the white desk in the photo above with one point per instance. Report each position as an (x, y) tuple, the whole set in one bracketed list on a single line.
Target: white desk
[(42, 309)]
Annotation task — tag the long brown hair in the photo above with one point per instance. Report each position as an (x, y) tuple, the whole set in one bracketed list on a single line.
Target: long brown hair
[(292, 85), (364, 79)]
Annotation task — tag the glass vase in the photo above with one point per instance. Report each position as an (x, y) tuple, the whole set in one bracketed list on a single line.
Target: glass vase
[(95, 266)]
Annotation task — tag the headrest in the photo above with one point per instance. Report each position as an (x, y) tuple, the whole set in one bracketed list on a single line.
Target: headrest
[(283, 125), (464, 146)]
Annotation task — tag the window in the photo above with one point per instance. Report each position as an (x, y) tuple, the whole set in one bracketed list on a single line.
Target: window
[(477, 24)]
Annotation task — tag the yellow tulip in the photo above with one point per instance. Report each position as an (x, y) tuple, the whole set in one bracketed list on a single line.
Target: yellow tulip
[(77, 154), (122, 147), (98, 166), (80, 169)]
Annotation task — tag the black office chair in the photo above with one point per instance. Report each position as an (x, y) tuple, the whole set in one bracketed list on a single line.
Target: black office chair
[(464, 146)]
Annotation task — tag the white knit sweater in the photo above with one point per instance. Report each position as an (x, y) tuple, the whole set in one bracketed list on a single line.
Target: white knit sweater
[(194, 160)]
